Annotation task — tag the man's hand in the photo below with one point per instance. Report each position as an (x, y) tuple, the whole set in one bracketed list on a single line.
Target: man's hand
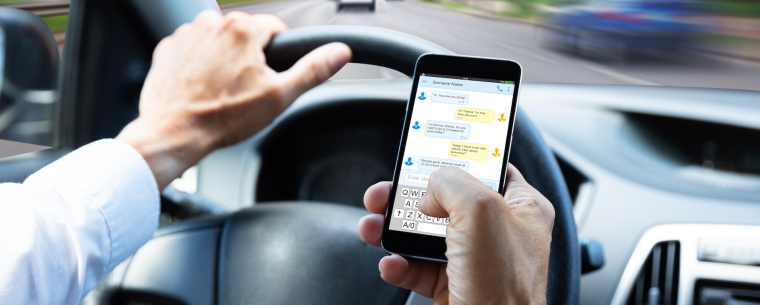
[(497, 248), (210, 87)]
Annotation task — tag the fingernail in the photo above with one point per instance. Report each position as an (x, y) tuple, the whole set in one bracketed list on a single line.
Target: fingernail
[(340, 55)]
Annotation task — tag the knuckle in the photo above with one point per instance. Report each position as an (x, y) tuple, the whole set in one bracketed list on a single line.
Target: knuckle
[(486, 198), (269, 20), (314, 74), (207, 18), (203, 16), (182, 29), (321, 71), (539, 207), (236, 15), (163, 44), (440, 174), (239, 31)]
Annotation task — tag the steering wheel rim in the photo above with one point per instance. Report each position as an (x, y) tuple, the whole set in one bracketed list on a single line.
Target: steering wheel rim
[(399, 51), (370, 45)]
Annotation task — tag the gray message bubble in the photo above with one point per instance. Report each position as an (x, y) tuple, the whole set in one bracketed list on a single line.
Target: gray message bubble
[(450, 98), (447, 130), (432, 164)]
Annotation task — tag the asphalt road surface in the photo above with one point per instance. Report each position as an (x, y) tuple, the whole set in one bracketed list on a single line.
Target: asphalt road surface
[(473, 35)]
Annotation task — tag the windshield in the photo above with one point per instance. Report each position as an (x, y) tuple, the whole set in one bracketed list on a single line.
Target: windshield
[(700, 43)]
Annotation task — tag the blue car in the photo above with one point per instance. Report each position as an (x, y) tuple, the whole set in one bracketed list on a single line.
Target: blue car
[(614, 29)]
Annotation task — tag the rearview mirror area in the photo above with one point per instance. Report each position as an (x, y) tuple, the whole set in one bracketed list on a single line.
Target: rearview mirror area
[(29, 61)]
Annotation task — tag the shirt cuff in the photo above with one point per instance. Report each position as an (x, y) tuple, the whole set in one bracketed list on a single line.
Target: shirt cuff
[(119, 184)]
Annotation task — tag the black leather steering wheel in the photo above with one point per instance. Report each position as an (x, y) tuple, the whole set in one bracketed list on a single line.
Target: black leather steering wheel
[(296, 253)]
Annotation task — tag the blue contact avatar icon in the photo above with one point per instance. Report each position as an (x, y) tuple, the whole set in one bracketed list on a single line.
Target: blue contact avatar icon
[(409, 161), (422, 96), (416, 125)]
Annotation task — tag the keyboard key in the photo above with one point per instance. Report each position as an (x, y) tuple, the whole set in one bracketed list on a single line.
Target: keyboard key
[(409, 214), (428, 218), (438, 220), (409, 225), (405, 192), (422, 194), (446, 221), (419, 216), (416, 204), (398, 213), (415, 193), (408, 203)]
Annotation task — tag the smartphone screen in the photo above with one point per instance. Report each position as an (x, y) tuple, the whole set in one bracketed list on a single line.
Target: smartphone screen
[(456, 117), (456, 121)]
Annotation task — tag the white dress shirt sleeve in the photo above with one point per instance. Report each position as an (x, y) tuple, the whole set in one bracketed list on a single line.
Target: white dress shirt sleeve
[(73, 221)]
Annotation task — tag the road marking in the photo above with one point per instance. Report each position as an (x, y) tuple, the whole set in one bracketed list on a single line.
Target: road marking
[(631, 80), (526, 53)]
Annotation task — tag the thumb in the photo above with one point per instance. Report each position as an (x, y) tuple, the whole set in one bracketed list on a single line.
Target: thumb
[(314, 68), (451, 190)]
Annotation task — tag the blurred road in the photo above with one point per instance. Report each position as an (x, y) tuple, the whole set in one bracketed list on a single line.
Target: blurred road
[(479, 36)]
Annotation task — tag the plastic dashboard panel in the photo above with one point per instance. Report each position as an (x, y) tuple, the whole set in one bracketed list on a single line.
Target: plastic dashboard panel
[(633, 189)]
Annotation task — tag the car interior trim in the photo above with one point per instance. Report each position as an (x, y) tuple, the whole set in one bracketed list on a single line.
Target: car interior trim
[(691, 269)]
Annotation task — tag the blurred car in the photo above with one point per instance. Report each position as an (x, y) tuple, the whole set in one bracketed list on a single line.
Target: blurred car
[(613, 29), (369, 4)]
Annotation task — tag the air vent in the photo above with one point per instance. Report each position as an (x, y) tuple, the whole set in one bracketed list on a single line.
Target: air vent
[(657, 282)]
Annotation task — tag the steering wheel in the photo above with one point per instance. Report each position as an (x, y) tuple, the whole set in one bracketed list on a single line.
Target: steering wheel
[(295, 253)]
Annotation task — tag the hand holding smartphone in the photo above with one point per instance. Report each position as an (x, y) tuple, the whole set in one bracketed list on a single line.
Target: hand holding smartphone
[(460, 113)]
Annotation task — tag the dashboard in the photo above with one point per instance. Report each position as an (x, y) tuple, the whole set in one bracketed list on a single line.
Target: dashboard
[(650, 169)]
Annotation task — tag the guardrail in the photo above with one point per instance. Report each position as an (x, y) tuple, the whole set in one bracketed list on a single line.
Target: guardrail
[(43, 9)]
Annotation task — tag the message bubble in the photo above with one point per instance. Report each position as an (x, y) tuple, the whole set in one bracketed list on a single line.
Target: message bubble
[(474, 115), (432, 164), (447, 130), (417, 178), (450, 98), (471, 151)]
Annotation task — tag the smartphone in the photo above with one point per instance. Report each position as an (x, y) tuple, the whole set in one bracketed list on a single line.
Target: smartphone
[(460, 113)]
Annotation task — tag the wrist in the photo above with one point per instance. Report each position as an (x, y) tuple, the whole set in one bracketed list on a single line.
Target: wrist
[(168, 154)]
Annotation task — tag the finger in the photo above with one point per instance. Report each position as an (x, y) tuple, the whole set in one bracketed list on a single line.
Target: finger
[(394, 269), (370, 229), (181, 29), (314, 68), (207, 18), (525, 201), (376, 197), (517, 187), (422, 277), (264, 26), (236, 14), (515, 177), (450, 189)]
